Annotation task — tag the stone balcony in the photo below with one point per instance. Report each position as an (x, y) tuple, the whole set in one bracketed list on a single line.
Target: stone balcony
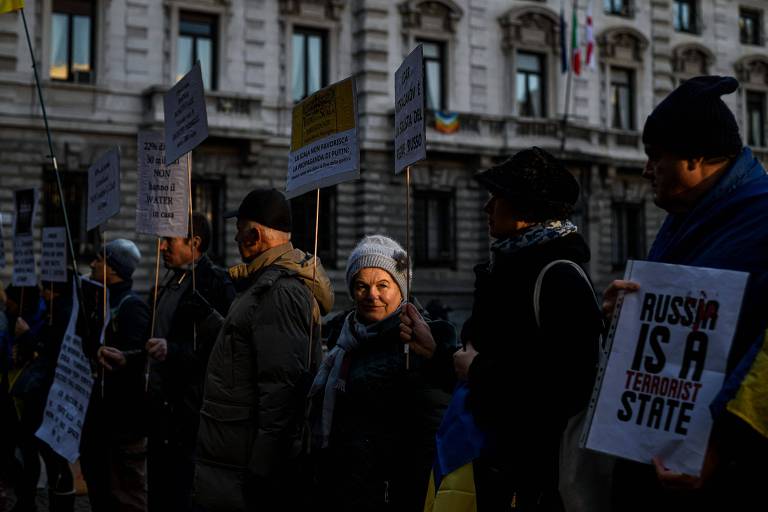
[(492, 134)]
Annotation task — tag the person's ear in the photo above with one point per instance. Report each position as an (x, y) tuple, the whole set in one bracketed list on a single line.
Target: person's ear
[(197, 242)]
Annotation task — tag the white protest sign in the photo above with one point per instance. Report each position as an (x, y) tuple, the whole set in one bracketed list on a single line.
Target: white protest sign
[(162, 203), (23, 261), (53, 259), (186, 120), (2, 243), (104, 189), (410, 130), (24, 207), (70, 392), (669, 346), (324, 148)]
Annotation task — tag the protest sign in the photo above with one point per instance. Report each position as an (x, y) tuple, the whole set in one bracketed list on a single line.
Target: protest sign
[(70, 392), (53, 259), (93, 302), (23, 261), (2, 243), (162, 204), (324, 147), (410, 130), (669, 345), (186, 120), (24, 207), (104, 189)]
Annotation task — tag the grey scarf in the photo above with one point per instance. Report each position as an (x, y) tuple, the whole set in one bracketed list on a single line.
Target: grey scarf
[(329, 377)]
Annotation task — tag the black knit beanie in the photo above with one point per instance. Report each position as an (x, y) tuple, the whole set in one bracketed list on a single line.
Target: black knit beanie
[(693, 121)]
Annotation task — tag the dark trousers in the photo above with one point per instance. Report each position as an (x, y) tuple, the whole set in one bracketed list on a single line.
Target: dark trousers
[(115, 473), (170, 473)]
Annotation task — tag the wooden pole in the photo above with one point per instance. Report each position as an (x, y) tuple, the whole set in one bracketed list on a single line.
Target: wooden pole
[(406, 347), (154, 312), (191, 238), (314, 279)]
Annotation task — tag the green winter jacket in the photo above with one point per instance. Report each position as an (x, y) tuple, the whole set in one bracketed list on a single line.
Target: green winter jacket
[(257, 379)]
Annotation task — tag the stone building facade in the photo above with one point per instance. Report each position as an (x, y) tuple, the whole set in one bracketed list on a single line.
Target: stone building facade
[(105, 65)]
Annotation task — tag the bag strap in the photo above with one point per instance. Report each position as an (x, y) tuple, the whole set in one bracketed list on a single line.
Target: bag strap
[(540, 279)]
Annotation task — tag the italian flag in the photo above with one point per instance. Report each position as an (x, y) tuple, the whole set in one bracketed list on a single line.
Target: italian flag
[(589, 57), (575, 49)]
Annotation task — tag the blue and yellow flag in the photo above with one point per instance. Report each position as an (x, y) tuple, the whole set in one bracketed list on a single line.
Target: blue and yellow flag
[(751, 401), (10, 5)]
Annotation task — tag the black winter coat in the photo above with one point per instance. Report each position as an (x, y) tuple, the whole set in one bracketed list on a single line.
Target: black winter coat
[(176, 384), (382, 442), (527, 381), (120, 414)]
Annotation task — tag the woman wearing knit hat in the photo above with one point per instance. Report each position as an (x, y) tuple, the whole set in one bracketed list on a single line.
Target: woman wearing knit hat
[(377, 417), (532, 340)]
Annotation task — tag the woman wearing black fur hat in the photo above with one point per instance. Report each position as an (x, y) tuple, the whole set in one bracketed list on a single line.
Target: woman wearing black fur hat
[(529, 361)]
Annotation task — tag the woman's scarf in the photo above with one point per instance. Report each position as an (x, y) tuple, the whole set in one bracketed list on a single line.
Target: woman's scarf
[(533, 235), (332, 375)]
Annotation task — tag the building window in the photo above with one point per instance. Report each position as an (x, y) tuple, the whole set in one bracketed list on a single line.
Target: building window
[(530, 83), (72, 41), (750, 23), (197, 41), (623, 98), (434, 231), (685, 16), (303, 213), (617, 7), (309, 66), (75, 188), (208, 199), (756, 118), (434, 67), (628, 233)]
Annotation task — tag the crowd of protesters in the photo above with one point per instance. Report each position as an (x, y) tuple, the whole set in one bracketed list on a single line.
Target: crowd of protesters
[(234, 395)]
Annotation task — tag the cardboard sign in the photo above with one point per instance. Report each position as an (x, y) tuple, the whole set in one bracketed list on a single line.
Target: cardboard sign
[(410, 130), (669, 345), (104, 189), (24, 261), (24, 207), (70, 392), (162, 203), (53, 259), (324, 147), (186, 120)]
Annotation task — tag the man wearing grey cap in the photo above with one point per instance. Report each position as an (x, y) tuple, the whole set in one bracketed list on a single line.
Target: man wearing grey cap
[(716, 195), (113, 450), (261, 366)]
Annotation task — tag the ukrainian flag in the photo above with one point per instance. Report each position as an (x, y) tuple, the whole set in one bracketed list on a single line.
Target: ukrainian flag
[(10, 5), (459, 442), (751, 400)]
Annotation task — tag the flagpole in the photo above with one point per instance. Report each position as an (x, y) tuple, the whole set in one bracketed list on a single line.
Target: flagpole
[(75, 273), (569, 79)]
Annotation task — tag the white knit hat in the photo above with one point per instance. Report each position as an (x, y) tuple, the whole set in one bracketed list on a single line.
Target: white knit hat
[(379, 251)]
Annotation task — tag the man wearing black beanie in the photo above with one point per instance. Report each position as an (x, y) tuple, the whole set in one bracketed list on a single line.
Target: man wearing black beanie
[(716, 195), (251, 423)]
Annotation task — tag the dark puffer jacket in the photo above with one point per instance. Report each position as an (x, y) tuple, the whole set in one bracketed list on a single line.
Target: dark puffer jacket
[(256, 385), (382, 443), (527, 381)]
